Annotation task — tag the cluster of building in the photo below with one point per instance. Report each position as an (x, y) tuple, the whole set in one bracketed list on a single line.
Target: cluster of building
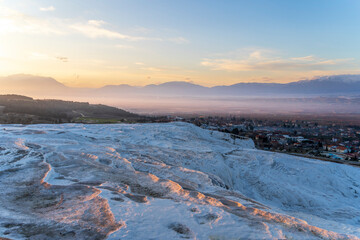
[(307, 138)]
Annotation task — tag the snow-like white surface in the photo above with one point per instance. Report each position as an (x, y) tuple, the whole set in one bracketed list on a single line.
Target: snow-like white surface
[(166, 181)]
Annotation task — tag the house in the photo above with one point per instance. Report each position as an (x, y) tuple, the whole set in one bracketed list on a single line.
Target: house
[(294, 138), (299, 139), (331, 148), (342, 149), (239, 127), (283, 139)]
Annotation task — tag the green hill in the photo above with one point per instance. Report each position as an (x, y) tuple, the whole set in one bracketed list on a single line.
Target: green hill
[(22, 109)]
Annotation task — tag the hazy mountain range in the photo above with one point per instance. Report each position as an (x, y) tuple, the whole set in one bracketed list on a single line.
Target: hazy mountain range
[(331, 94), (323, 86)]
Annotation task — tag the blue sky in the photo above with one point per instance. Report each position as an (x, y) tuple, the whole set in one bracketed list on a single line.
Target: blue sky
[(93, 43)]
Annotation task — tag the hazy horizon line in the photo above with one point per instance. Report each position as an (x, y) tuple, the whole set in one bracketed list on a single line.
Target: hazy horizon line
[(189, 82)]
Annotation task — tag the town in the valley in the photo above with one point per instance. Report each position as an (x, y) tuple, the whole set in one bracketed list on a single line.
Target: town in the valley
[(316, 139)]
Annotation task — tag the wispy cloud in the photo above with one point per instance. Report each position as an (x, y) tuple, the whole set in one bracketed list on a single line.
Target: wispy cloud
[(46, 57), (306, 58), (14, 21), (142, 30), (96, 29), (153, 69), (122, 46), (178, 40), (259, 60), (39, 56), (115, 68), (47, 9), (97, 23), (63, 59)]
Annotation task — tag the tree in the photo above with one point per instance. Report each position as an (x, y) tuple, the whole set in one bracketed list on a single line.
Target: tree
[(235, 131)]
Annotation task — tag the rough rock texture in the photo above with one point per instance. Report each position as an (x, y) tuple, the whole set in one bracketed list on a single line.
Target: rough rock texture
[(166, 181)]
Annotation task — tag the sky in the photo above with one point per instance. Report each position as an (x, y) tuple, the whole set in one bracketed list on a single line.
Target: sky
[(208, 42)]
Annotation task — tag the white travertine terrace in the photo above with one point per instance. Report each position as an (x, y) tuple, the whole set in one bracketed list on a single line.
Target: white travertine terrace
[(166, 181)]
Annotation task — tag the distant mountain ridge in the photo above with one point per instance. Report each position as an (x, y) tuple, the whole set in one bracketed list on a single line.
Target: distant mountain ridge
[(30, 82), (327, 85), (333, 85)]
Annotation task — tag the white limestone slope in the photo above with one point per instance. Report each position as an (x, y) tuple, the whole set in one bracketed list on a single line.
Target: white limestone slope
[(166, 181)]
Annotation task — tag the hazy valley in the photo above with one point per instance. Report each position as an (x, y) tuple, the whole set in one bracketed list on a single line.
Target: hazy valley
[(334, 94)]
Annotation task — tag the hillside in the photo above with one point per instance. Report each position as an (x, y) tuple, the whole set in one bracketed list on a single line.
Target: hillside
[(166, 181), (55, 110)]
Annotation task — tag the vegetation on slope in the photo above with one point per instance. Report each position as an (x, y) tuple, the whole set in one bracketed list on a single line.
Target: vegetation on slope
[(21, 109)]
